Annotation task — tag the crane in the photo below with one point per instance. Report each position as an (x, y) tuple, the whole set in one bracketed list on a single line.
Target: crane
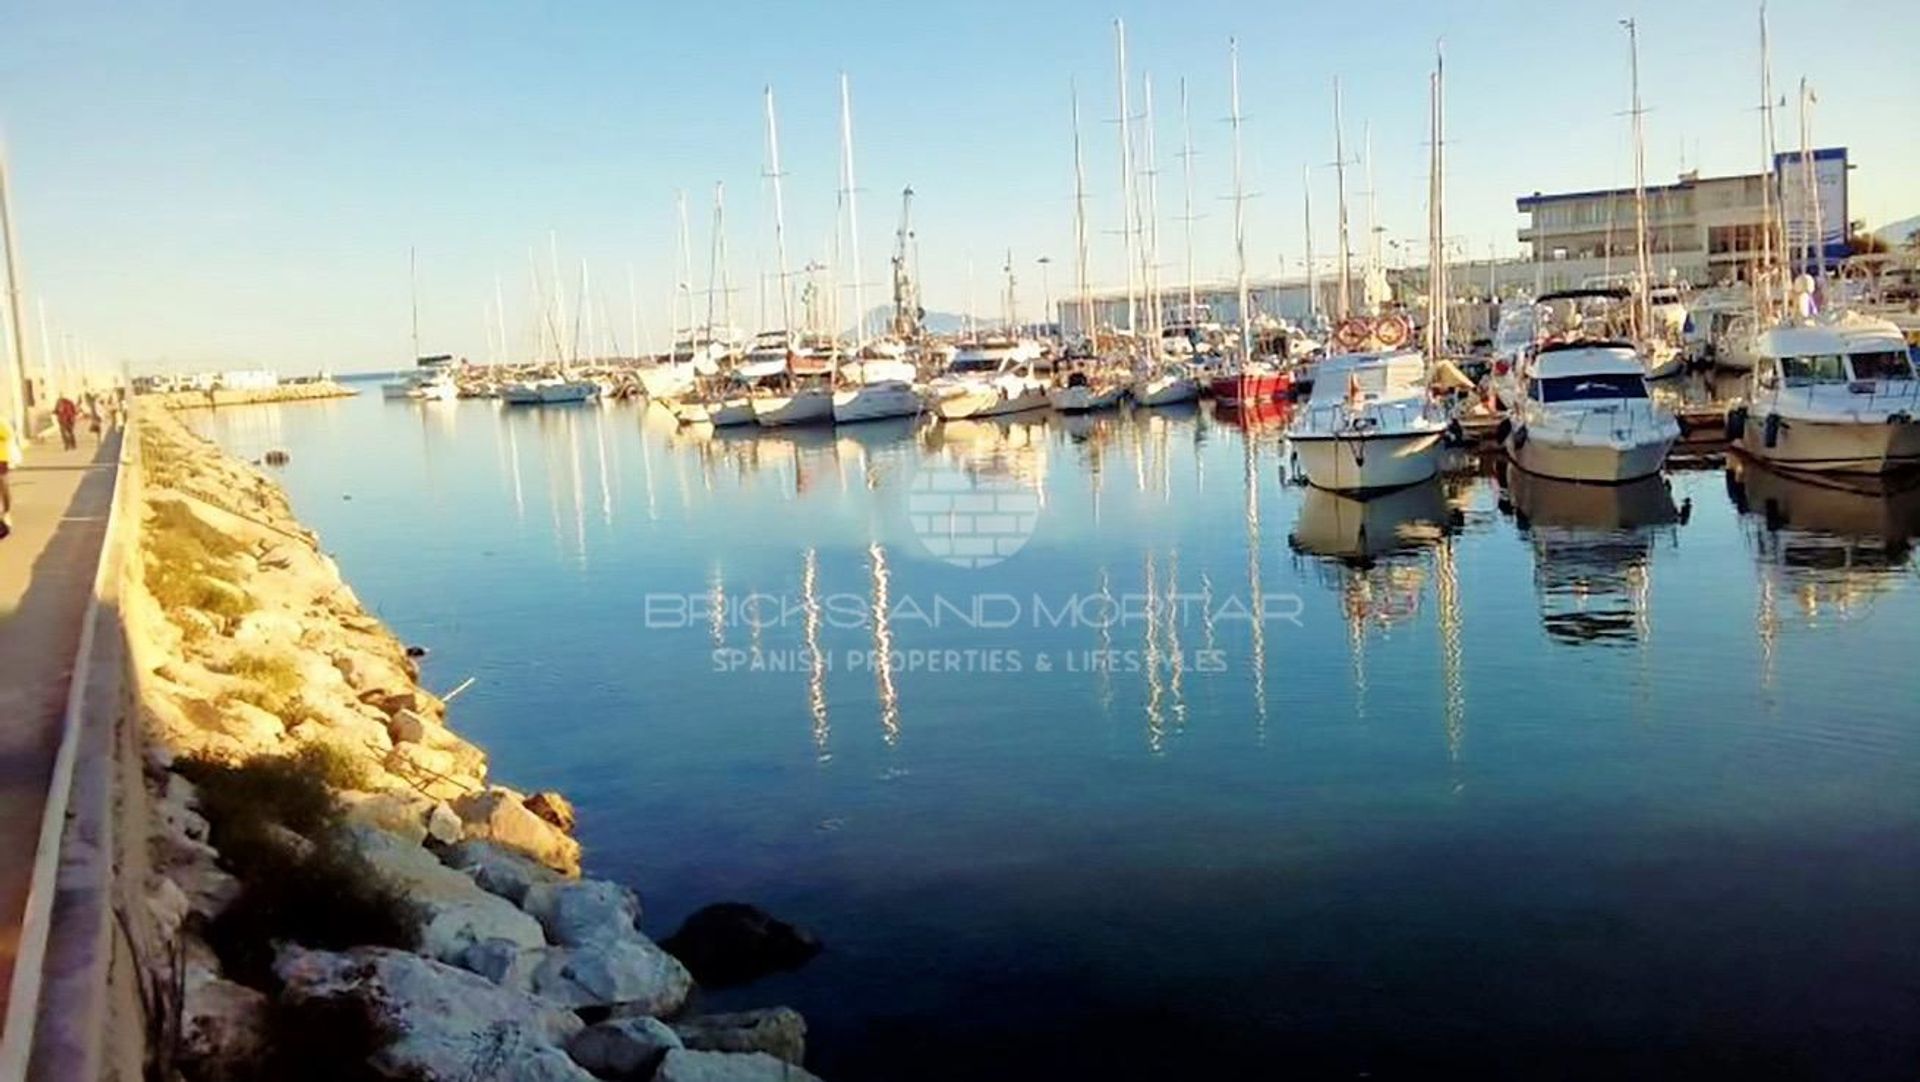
[(906, 302)]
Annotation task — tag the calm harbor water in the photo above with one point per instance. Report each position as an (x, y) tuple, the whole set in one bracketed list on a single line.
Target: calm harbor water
[(1182, 766)]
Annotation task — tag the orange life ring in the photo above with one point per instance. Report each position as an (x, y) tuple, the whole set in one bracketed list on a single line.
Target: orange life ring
[(1352, 333), (1392, 331)]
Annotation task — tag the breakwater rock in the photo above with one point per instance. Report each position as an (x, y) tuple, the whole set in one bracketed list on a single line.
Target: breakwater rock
[(351, 892)]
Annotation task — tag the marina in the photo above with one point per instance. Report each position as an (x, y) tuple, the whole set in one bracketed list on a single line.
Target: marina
[(1256, 793), (1306, 549)]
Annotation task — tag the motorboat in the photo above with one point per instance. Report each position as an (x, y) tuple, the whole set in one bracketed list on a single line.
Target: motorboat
[(878, 388), (1251, 381), (548, 391), (991, 350), (1085, 387), (976, 386), (1584, 414), (1166, 384), (1370, 425), (1833, 394)]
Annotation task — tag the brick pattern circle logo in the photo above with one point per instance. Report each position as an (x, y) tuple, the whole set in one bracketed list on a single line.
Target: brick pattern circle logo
[(970, 521)]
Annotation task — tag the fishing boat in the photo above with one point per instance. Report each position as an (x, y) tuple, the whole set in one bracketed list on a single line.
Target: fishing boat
[(1584, 414), (1836, 394), (1369, 426)]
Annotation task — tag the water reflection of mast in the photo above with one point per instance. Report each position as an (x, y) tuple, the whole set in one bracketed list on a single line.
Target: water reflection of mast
[(717, 607), (1156, 731), (513, 458), (1105, 628), (883, 646), (817, 671), (1253, 583), (606, 491), (1447, 586), (646, 471), (1176, 668)]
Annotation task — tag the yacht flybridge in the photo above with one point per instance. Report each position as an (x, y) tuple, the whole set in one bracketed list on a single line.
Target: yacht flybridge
[(1831, 395)]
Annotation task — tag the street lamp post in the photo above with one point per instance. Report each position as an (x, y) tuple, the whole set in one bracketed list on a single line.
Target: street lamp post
[(1046, 291)]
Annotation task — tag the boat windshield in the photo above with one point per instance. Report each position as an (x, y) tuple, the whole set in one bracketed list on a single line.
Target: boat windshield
[(975, 364), (1590, 386), (1813, 368), (1886, 365)]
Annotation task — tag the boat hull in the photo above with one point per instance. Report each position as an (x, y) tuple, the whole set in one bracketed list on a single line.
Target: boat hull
[(1592, 463), (1834, 447), (876, 403), (1369, 463), (1165, 391), (667, 380), (1083, 399), (806, 407), (1252, 387)]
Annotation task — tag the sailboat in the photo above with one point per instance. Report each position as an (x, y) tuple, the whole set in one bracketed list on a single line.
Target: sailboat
[(1658, 352), (1168, 380), (432, 377), (1370, 425), (877, 387), (806, 398), (1249, 379)]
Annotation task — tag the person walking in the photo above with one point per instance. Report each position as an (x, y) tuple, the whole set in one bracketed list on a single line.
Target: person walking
[(9, 454), (93, 416), (66, 412)]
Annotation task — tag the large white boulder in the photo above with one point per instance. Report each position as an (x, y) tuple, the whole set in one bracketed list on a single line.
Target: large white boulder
[(434, 1023), (498, 870), (686, 1065), (454, 912), (632, 976), (498, 815), (623, 1047), (584, 912), (777, 1031)]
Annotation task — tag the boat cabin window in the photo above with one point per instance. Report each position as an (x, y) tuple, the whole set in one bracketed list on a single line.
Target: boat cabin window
[(1813, 368), (975, 364), (1888, 365), (1593, 385)]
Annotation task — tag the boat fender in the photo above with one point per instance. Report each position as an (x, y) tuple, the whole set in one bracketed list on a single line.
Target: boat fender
[(1736, 422), (1519, 437), (1772, 430)]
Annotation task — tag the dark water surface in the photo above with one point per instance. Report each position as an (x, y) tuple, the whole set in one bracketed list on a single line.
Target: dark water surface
[(1512, 781)]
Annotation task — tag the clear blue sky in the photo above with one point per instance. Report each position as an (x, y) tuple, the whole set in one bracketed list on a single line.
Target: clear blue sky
[(222, 183)]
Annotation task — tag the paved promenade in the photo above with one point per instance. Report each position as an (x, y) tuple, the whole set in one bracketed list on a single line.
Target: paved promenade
[(60, 502)]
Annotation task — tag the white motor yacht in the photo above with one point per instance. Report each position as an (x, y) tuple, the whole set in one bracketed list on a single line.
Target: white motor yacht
[(1583, 413), (1369, 425), (878, 389), (1832, 395), (981, 387), (548, 391)]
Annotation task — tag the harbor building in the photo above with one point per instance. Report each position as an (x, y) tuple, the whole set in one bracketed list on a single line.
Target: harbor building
[(1702, 230)]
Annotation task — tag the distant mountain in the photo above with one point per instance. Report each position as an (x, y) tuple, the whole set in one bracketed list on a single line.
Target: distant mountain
[(1897, 234), (935, 322)]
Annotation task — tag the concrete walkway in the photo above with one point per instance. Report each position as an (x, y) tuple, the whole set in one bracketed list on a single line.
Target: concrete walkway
[(60, 502)]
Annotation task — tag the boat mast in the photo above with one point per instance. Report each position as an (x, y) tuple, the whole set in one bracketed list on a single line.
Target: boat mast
[(1186, 214), (1343, 304), (1080, 225), (20, 384), (779, 220), (713, 259), (1128, 212), (1313, 278), (1811, 225), (413, 294), (726, 267), (1437, 289), (500, 316), (1150, 266), (1642, 309), (1239, 204), (1763, 290), (559, 314), (853, 207), (1370, 270), (686, 268)]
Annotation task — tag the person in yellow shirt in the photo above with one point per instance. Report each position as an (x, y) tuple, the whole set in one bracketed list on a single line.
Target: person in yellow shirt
[(9, 454)]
